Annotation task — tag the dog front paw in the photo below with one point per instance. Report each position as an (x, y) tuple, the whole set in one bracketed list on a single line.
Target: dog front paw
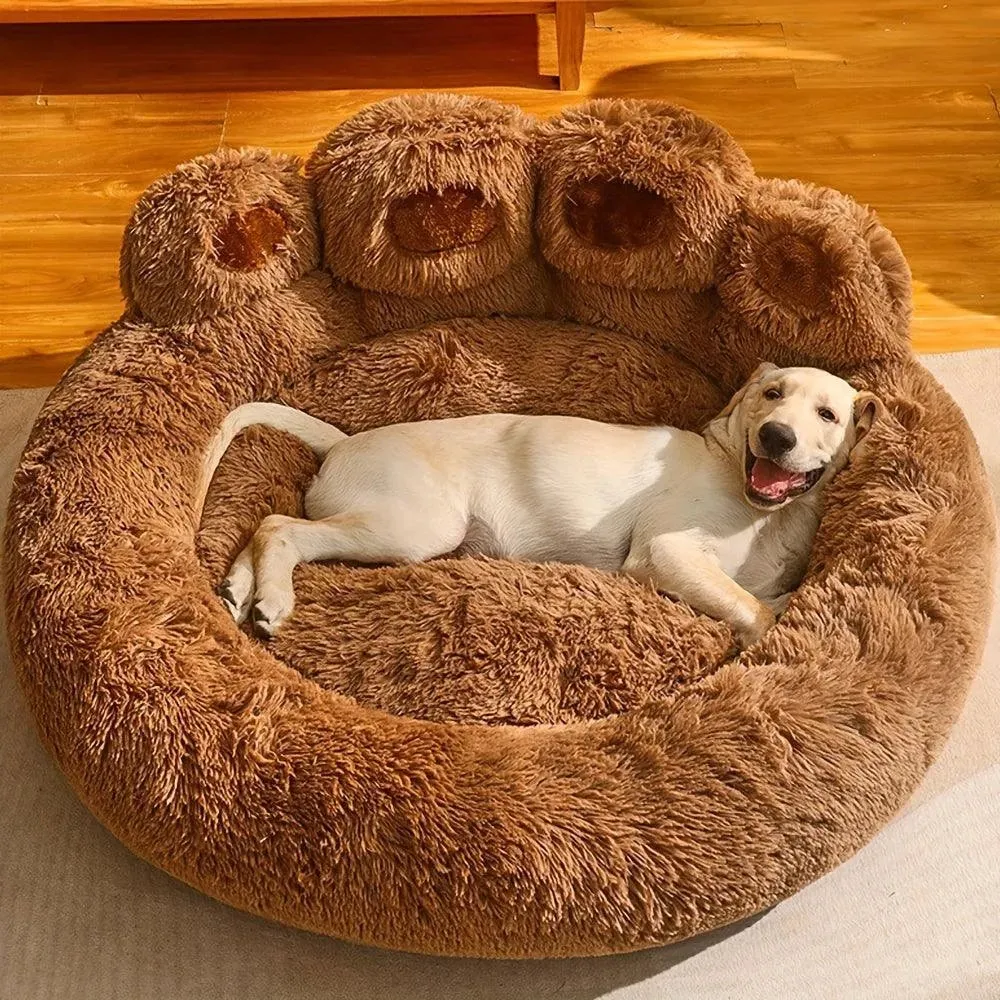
[(779, 605), (747, 635)]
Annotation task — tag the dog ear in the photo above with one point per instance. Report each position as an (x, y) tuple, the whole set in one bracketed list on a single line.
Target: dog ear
[(868, 409), (759, 372)]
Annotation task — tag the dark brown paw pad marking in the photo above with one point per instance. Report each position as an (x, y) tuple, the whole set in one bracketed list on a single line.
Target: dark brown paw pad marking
[(615, 214), (794, 270), (435, 221), (247, 241)]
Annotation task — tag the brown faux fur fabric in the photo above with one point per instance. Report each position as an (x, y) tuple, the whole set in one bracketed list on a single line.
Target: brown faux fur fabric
[(468, 756)]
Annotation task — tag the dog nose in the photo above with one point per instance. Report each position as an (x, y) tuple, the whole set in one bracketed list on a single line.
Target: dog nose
[(776, 438)]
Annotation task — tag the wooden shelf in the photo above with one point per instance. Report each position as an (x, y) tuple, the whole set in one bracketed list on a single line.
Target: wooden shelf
[(25, 11), (570, 15)]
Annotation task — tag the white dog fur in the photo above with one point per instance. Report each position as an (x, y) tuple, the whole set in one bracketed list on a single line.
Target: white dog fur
[(706, 518)]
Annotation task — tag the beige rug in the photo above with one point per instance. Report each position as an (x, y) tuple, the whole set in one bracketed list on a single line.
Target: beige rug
[(915, 916)]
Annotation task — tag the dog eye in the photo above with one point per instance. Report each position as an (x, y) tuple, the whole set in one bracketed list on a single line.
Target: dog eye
[(773, 393), (827, 414)]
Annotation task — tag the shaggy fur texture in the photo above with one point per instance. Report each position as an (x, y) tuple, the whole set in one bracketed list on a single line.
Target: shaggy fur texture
[(465, 756)]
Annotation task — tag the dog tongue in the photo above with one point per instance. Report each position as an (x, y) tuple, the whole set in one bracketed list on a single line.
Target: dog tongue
[(772, 481)]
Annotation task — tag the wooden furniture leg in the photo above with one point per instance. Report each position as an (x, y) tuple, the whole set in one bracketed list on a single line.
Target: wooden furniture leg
[(571, 23)]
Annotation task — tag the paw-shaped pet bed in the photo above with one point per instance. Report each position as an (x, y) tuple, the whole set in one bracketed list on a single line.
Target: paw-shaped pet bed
[(467, 756)]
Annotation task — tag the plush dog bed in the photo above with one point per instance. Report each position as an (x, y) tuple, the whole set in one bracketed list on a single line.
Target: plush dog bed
[(470, 756)]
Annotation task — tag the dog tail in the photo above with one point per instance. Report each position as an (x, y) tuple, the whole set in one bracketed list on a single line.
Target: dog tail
[(316, 435)]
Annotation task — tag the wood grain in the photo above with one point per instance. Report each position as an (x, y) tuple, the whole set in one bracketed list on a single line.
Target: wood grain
[(892, 102)]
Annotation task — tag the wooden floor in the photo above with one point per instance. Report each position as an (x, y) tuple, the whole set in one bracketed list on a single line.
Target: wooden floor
[(893, 102)]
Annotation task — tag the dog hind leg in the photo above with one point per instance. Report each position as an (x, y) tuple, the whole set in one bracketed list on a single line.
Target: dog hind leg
[(391, 535), (236, 590)]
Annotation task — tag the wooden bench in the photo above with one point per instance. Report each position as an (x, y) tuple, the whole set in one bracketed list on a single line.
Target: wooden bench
[(570, 15)]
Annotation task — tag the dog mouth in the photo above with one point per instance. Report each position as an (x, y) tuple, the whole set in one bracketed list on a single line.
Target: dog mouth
[(769, 484)]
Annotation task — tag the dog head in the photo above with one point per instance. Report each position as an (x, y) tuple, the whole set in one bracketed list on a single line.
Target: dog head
[(792, 429)]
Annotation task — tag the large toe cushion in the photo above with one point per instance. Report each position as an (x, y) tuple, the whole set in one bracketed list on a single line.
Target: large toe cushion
[(216, 234), (816, 276), (637, 194), (446, 198)]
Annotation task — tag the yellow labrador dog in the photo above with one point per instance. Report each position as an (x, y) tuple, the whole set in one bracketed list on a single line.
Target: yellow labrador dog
[(723, 520)]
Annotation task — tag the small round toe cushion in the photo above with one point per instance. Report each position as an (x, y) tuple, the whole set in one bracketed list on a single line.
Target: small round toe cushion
[(472, 756)]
